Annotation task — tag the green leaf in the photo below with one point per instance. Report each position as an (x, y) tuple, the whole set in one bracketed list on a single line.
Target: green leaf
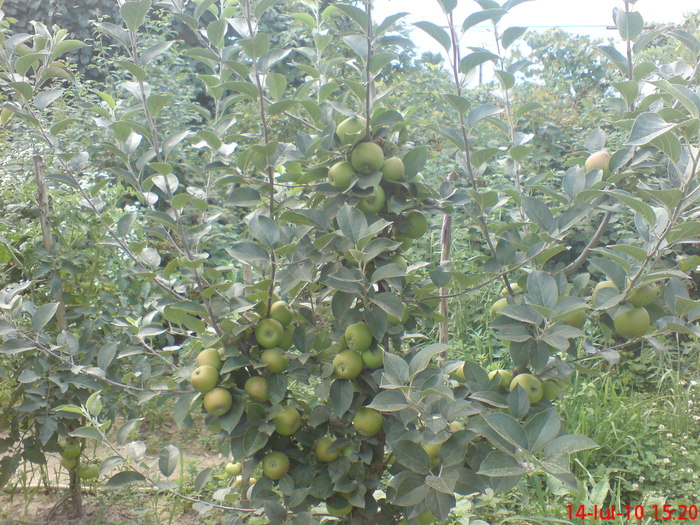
[(438, 33), (87, 433), (262, 6), (494, 15), (415, 160), (511, 34), (618, 59), (352, 223), (636, 204), (264, 230), (542, 289), (395, 371), (412, 456), (45, 98), (124, 478), (356, 14), (168, 460), (687, 39), (390, 303), (447, 5), (687, 97), (73, 409), (65, 46), (481, 112), (256, 47), (341, 396), (276, 85), (249, 253), (507, 428), (271, 58), (43, 315), (460, 104), (387, 272), (116, 32), (420, 361), (569, 444), (542, 428), (499, 465), (475, 59), (629, 24), (134, 13), (538, 212), (646, 128), (389, 401)]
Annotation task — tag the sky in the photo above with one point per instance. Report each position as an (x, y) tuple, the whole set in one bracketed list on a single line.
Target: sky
[(589, 17)]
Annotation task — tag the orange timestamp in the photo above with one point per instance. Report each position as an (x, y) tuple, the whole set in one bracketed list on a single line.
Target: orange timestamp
[(634, 512)]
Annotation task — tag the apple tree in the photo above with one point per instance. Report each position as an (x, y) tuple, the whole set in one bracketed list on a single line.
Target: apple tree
[(273, 233)]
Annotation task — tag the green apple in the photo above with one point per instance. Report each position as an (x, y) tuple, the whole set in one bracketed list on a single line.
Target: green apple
[(458, 373), (503, 377), (373, 358), (415, 226), (632, 322), (330, 351), (600, 160), (69, 464), (275, 465), (204, 378), (456, 426), (367, 421), (598, 287), (269, 333), (513, 286), (351, 130), (257, 389), (287, 338), (643, 295), (218, 401), (209, 357), (433, 451), (498, 306), (576, 318), (374, 202), (88, 471), (71, 450), (234, 468), (367, 158), (393, 169), (281, 312), (322, 450), (531, 384), (339, 512), (347, 364), (550, 389), (341, 175), (275, 360), (287, 421), (358, 337)]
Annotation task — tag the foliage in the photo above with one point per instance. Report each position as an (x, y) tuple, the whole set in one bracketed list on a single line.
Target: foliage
[(218, 207)]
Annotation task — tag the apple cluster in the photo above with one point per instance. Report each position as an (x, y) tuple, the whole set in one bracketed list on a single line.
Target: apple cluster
[(70, 460)]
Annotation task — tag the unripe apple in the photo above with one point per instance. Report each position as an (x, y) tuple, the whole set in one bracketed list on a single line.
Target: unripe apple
[(358, 337), (374, 202), (504, 377), (281, 312), (632, 322), (269, 333), (275, 465), (393, 169), (256, 387), (367, 158), (234, 468), (218, 401), (287, 421), (600, 160), (340, 175), (498, 306), (643, 295), (351, 130), (347, 364), (209, 357), (204, 378), (531, 384), (275, 360)]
